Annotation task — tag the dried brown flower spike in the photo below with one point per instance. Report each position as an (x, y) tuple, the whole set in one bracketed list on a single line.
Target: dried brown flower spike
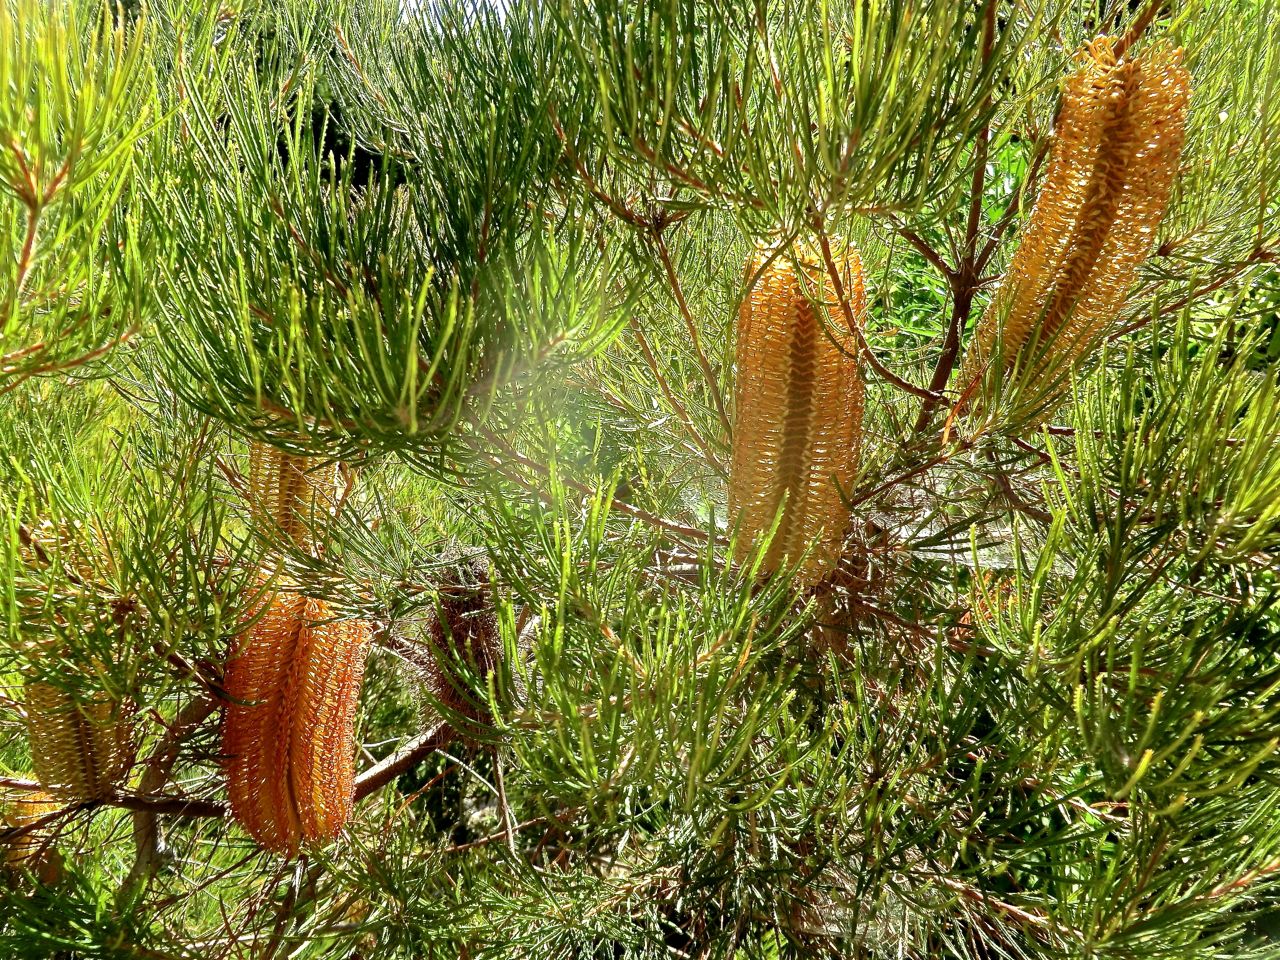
[(289, 492), (81, 747), (289, 732), (1115, 155), (797, 412), (463, 638)]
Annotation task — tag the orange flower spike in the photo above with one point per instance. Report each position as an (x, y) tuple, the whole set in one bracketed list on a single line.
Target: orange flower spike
[(289, 734), (1117, 144), (798, 407)]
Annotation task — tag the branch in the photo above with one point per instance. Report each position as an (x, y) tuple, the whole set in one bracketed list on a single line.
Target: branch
[(964, 280), (146, 828), (713, 384), (1011, 212), (58, 365), (927, 252), (1259, 255), (162, 803), (416, 750), (676, 405), (620, 505), (1016, 500), (1139, 27), (834, 273)]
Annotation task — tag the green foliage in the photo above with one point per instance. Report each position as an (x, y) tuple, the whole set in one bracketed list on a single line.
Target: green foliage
[(78, 100), (489, 257)]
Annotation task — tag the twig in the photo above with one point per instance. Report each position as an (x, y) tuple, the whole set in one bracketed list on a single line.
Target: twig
[(620, 209), (508, 823), (146, 829), (55, 366), (964, 279), (927, 252), (505, 833), (1033, 174), (620, 505), (847, 309), (1259, 255), (1139, 27), (900, 478), (1016, 500), (980, 896), (673, 279), (163, 803), (676, 405)]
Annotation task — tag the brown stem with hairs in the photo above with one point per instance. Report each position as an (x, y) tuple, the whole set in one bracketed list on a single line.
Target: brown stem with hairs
[(964, 278)]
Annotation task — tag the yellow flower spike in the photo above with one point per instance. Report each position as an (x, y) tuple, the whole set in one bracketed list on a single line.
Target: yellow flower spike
[(81, 747), (289, 492), (28, 844)]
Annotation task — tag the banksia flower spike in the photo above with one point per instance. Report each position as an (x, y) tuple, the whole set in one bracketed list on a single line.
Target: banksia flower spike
[(1118, 138), (288, 492), (463, 638), (81, 747), (27, 841), (797, 412), (294, 683), (293, 679)]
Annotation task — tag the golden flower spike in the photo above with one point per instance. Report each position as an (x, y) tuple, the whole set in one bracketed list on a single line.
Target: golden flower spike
[(28, 842), (1115, 155), (289, 492), (288, 733), (797, 413), (81, 748)]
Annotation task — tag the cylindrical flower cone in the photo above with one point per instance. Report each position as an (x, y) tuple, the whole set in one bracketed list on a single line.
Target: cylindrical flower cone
[(289, 493), (28, 843), (81, 745), (1115, 155), (289, 734), (464, 643), (798, 404)]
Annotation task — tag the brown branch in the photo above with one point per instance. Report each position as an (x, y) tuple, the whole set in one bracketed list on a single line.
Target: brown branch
[(846, 308), (673, 279), (900, 478), (68, 364), (1011, 212), (981, 896), (1016, 500), (927, 252), (676, 405), (146, 827), (366, 783), (28, 249), (162, 803), (620, 209), (1259, 255), (1139, 27), (412, 753), (964, 279)]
